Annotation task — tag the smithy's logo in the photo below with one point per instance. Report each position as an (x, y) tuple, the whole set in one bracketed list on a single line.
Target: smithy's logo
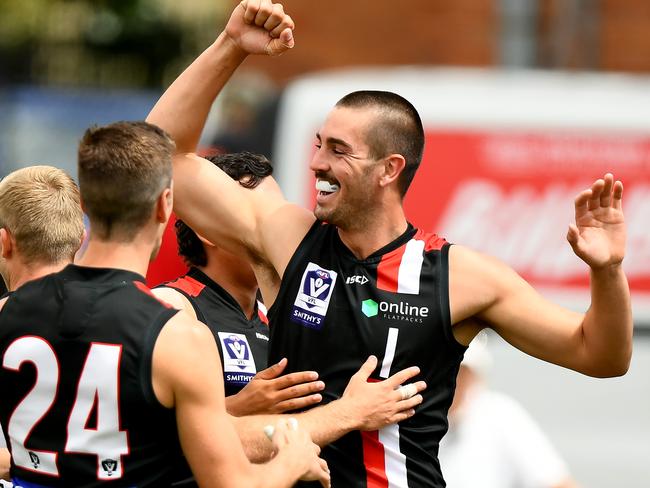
[(238, 362), (313, 297)]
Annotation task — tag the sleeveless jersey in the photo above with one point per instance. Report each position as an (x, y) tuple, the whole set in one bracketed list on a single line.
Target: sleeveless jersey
[(78, 406), (243, 343), (334, 310)]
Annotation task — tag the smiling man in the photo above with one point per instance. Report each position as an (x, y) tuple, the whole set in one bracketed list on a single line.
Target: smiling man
[(358, 279)]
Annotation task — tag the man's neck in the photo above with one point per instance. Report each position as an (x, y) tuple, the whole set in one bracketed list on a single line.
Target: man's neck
[(33, 272), (380, 231), (131, 256), (245, 294)]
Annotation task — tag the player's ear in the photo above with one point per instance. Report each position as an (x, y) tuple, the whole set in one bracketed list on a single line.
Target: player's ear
[(165, 204), (393, 165), (6, 244)]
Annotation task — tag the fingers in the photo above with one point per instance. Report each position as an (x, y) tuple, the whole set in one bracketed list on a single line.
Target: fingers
[(291, 379), (300, 390), (618, 195), (403, 376), (596, 191), (604, 192), (366, 369), (324, 475), (251, 7), (278, 46), (272, 371), (287, 23), (297, 403)]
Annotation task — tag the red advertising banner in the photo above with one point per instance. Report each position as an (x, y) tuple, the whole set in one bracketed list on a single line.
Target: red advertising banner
[(510, 195)]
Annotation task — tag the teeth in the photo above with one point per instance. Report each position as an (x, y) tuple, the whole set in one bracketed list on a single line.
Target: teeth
[(326, 186)]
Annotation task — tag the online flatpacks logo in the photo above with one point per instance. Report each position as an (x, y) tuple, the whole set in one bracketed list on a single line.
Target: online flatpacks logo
[(402, 311)]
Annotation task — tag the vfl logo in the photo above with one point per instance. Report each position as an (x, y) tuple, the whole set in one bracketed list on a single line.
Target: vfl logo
[(238, 362), (33, 457), (313, 298), (110, 466), (356, 279), (236, 348)]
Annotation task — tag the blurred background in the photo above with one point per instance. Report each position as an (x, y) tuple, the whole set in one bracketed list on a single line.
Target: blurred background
[(524, 102)]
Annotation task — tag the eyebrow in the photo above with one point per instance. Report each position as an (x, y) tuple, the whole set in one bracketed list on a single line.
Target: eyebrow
[(334, 140)]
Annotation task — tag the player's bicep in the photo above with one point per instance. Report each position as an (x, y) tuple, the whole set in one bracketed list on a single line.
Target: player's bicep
[(216, 206), (485, 288)]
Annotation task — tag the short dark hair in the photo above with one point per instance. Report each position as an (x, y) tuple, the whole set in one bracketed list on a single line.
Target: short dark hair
[(123, 167), (397, 129), (249, 170)]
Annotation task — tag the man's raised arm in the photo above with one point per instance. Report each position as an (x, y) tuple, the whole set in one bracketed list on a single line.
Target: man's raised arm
[(207, 199)]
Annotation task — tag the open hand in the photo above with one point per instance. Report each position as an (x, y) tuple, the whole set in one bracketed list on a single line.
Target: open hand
[(377, 404), (268, 392), (598, 236), (261, 27)]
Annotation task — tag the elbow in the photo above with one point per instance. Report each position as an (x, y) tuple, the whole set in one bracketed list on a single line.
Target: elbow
[(612, 368)]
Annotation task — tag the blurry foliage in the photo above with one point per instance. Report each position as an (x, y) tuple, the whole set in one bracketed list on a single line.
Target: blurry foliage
[(107, 43)]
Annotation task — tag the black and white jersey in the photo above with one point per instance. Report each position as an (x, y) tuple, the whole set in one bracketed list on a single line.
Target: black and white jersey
[(78, 406), (243, 343), (334, 310)]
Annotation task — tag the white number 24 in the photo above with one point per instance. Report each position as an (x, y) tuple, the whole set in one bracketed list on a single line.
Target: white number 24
[(97, 392)]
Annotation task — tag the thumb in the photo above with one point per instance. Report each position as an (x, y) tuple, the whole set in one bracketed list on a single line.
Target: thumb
[(573, 235), (281, 44), (367, 368), (272, 371)]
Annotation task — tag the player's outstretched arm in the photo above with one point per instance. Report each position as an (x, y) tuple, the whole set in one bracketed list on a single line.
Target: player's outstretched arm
[(186, 376), (207, 199), (364, 406), (598, 343)]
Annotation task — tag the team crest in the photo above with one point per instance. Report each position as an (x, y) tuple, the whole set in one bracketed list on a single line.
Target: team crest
[(109, 466), (238, 363), (313, 298)]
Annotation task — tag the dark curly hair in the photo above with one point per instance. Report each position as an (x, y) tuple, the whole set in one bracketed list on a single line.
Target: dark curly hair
[(247, 168)]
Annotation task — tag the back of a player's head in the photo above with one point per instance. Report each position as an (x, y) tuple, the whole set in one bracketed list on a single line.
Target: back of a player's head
[(397, 129), (123, 169), (247, 168), (39, 206)]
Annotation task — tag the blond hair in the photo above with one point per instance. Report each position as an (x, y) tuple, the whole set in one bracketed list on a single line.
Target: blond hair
[(40, 207)]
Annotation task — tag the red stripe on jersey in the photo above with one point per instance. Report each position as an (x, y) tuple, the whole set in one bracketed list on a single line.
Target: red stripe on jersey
[(374, 460), (143, 288), (388, 270), (262, 317), (189, 285), (432, 242)]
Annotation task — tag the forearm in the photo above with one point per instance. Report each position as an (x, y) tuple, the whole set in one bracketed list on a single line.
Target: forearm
[(184, 107), (325, 424), (608, 324)]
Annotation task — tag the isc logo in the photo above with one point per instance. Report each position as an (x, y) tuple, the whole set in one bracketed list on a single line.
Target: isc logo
[(358, 279)]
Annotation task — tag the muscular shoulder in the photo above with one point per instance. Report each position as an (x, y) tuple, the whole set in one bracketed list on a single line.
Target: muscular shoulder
[(476, 281), (185, 349), (175, 299)]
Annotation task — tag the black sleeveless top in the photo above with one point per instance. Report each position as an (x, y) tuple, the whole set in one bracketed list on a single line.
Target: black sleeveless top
[(78, 406), (334, 310), (243, 344)]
